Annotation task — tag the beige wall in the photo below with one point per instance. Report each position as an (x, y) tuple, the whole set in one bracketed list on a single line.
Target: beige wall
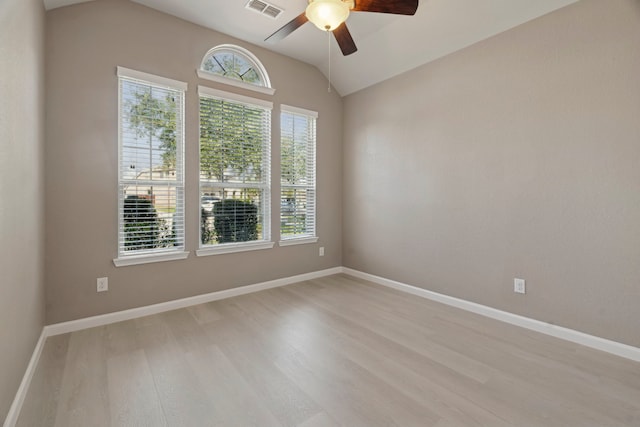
[(516, 157), (21, 189), (84, 45)]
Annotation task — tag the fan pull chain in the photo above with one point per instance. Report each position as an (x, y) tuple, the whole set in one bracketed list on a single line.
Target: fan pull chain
[(329, 48)]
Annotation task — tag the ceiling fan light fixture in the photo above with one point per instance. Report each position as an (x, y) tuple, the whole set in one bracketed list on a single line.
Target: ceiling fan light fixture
[(327, 15)]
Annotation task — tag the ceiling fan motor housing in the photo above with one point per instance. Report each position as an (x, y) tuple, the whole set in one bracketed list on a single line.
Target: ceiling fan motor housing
[(327, 15)]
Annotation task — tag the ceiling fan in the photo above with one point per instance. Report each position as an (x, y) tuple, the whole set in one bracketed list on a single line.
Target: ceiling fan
[(330, 15)]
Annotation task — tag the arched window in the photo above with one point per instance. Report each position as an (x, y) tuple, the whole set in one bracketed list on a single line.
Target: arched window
[(235, 66)]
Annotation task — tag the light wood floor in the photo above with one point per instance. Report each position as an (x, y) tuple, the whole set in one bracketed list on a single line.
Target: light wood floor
[(327, 352)]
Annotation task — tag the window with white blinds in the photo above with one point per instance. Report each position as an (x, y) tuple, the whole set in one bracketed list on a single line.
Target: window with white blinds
[(235, 157), (298, 175), (151, 167)]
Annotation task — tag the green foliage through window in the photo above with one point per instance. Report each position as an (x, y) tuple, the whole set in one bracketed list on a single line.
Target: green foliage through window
[(143, 229), (152, 117), (151, 163), (297, 180), (234, 170), (235, 221), (231, 141)]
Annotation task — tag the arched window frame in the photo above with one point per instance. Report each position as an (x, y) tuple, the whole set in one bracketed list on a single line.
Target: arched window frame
[(249, 57)]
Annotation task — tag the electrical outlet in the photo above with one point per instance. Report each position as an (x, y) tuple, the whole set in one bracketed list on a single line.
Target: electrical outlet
[(103, 284), (519, 286), (321, 251)]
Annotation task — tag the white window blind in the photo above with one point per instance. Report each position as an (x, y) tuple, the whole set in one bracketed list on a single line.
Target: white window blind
[(298, 173), (151, 165), (235, 157)]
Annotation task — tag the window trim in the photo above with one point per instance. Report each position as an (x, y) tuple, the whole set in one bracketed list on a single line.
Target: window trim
[(231, 248), (303, 239), (298, 110), (149, 258), (208, 75), (152, 78), (164, 254), (235, 247)]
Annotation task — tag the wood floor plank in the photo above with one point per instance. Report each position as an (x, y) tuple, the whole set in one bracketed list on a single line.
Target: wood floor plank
[(240, 344), (204, 313), (417, 341), (184, 401), (335, 351), (347, 340), (375, 402), (41, 406), (133, 399), (235, 402), (83, 397), (534, 372), (120, 338), (320, 420)]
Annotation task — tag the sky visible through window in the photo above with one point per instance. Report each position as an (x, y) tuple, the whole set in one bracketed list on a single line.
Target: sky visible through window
[(149, 128), (233, 65)]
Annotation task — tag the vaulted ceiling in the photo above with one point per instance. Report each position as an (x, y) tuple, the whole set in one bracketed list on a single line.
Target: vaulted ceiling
[(387, 44)]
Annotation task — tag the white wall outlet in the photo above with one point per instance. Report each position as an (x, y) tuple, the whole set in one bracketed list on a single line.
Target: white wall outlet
[(103, 284), (519, 286), (321, 251)]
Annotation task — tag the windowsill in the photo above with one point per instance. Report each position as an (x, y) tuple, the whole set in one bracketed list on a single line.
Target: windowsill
[(149, 258), (298, 241), (229, 248), (236, 83)]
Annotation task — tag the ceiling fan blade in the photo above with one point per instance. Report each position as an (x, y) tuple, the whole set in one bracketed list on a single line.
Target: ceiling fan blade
[(398, 7), (344, 39), (287, 28)]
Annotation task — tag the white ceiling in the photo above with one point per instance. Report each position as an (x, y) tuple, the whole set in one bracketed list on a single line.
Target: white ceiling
[(387, 44)]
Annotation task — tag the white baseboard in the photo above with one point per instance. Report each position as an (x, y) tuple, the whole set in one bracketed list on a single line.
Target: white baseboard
[(105, 319), (613, 347), (119, 316), (587, 340), (16, 406)]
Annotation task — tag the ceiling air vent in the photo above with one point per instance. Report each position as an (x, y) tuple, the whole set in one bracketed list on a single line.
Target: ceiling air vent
[(264, 8)]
